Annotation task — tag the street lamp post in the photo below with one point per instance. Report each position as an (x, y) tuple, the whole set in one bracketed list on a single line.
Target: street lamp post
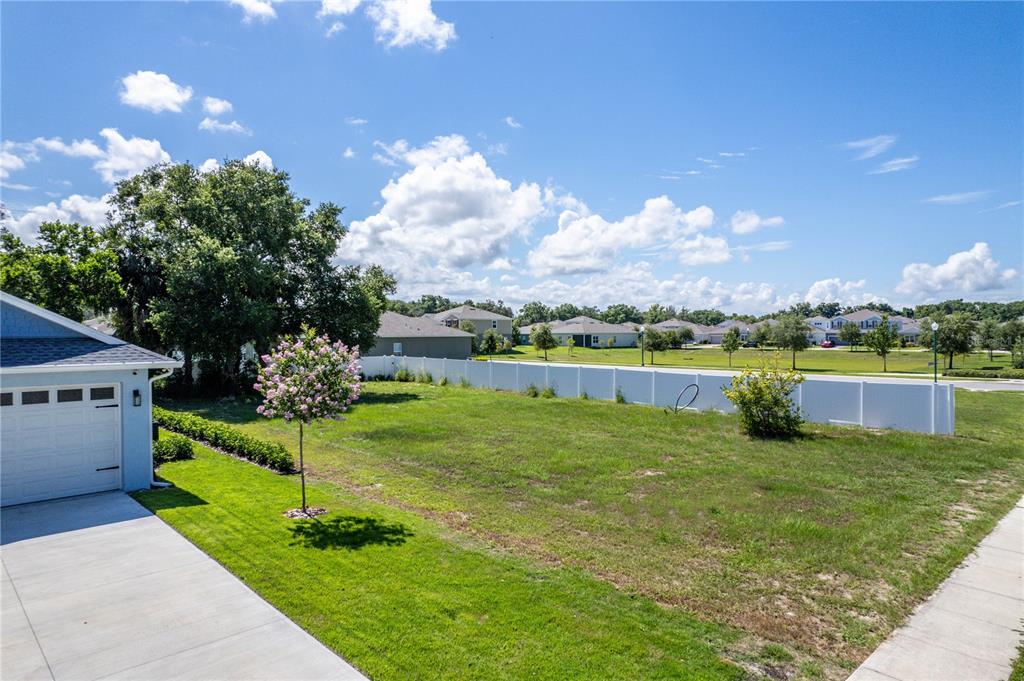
[(641, 330), (935, 352)]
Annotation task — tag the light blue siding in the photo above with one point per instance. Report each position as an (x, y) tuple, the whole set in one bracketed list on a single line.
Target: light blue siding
[(15, 323), (136, 432)]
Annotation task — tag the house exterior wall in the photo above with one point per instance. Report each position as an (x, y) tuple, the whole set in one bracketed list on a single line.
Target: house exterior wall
[(136, 428), (502, 326), (450, 347), (16, 323), (622, 340)]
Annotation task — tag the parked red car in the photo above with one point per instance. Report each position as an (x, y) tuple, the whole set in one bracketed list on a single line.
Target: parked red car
[(827, 344)]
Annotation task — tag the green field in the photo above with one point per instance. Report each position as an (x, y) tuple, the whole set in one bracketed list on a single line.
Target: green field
[(814, 360), (820, 545)]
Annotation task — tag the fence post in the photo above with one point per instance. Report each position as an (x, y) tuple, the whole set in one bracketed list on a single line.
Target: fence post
[(861, 420), (517, 377), (444, 367), (547, 377), (654, 377), (933, 409), (490, 374), (615, 384), (579, 380)]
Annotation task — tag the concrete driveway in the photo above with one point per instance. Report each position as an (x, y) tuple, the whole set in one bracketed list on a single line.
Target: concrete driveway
[(98, 587)]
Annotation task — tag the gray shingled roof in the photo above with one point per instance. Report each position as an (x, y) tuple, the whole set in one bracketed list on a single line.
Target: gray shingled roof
[(394, 325), (469, 312), (55, 352)]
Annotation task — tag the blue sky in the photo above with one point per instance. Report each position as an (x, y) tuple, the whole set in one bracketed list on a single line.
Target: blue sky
[(742, 156)]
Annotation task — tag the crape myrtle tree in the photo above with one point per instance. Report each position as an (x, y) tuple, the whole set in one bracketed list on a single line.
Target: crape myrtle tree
[(989, 336), (791, 334), (655, 340), (210, 262), (955, 335), (542, 339), (731, 341), (882, 339), (305, 379), (850, 334)]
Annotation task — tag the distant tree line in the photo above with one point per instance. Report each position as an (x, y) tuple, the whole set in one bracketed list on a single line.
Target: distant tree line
[(429, 304), (203, 264)]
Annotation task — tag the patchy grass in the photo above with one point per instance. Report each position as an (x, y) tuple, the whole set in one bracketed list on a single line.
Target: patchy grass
[(821, 545), (814, 360), (401, 597)]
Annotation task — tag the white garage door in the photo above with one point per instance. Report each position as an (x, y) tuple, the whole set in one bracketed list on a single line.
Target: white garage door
[(59, 441)]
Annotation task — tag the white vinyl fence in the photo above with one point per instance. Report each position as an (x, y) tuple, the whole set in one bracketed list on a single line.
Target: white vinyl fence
[(909, 404)]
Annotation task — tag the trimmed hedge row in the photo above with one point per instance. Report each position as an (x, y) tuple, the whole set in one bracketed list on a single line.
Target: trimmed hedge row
[(172, 447), (983, 373), (221, 436)]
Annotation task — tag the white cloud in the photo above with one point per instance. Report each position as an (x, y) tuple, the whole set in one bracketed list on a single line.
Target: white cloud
[(14, 186), (1002, 206), (209, 165), (871, 146), (260, 158), (448, 212), (703, 250), (512, 123), (501, 264), (75, 208), (332, 8), (77, 148), (400, 23), (835, 290), (438, 149), (154, 92), (9, 162), (956, 199), (348, 153), (895, 165), (213, 125), (216, 107), (964, 272), (260, 10), (334, 28), (351, 120), (586, 242), (748, 222), (125, 157), (731, 154)]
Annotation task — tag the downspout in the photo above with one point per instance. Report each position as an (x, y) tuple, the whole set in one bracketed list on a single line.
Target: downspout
[(153, 482)]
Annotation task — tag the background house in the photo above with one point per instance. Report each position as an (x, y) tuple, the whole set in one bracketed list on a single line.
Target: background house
[(420, 337), (75, 407), (481, 319)]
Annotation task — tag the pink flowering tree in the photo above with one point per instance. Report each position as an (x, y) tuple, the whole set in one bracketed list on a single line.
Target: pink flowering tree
[(308, 378)]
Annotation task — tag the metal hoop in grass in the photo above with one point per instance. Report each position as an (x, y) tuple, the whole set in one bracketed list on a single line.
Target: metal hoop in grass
[(676, 408)]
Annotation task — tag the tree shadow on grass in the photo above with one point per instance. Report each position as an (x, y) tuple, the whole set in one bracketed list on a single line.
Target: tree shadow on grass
[(169, 497), (384, 398), (348, 532)]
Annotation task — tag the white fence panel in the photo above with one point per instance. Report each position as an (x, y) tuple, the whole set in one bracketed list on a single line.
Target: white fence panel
[(635, 385), (598, 383), (478, 374), (503, 376), (532, 374), (830, 401), (564, 381), (910, 405)]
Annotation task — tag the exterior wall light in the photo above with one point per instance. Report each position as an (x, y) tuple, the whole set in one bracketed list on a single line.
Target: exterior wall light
[(136, 398)]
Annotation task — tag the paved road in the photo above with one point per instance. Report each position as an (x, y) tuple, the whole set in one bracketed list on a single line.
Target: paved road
[(97, 586), (970, 628)]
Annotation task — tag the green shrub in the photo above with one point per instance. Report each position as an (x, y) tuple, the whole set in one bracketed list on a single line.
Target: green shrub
[(584, 396), (619, 397), (531, 391), (762, 398), (424, 377), (464, 382), (443, 381), (403, 375), (171, 447), (984, 373), (226, 438), (549, 392)]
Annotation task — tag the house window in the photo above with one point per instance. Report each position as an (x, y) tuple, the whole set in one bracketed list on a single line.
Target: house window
[(396, 348), (494, 323), (35, 397), (101, 393), (69, 395), (6, 399)]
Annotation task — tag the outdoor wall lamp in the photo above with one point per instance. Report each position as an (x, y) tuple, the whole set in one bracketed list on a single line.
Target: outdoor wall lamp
[(136, 398)]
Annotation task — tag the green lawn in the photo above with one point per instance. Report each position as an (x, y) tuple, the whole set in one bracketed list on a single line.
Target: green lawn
[(822, 544), (815, 360)]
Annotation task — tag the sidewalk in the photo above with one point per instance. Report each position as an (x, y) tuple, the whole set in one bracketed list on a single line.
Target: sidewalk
[(970, 628)]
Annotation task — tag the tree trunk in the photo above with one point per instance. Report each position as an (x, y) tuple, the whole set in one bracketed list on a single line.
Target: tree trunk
[(950, 361), (187, 372), (302, 470), (794, 360), (730, 359), (885, 367)]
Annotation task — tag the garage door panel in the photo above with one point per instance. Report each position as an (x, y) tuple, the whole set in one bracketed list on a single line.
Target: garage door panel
[(52, 449)]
